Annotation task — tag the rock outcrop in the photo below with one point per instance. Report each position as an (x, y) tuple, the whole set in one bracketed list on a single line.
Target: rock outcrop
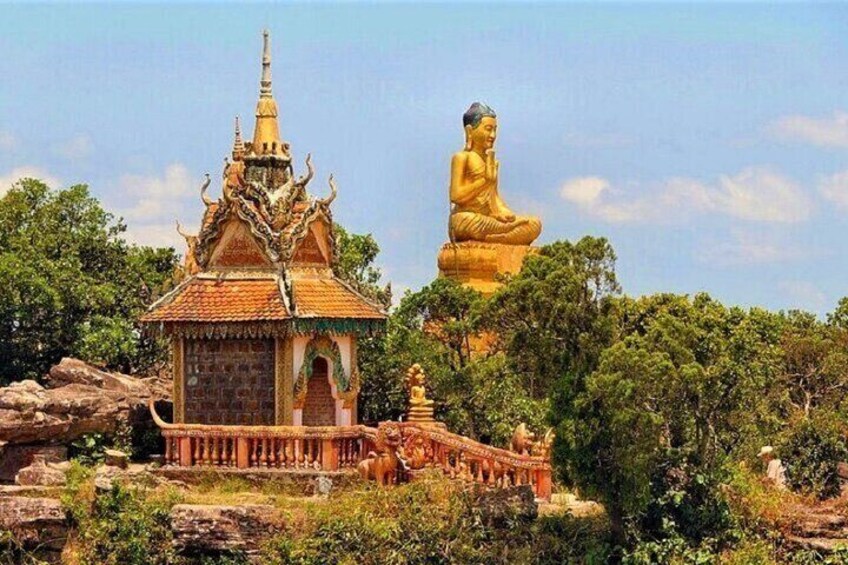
[(201, 530), (822, 528), (78, 399), (40, 473), (35, 524)]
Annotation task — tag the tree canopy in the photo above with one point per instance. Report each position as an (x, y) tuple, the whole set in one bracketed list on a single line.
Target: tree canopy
[(71, 285)]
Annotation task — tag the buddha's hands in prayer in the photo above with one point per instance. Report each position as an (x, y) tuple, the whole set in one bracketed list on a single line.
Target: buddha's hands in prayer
[(491, 165), (505, 218)]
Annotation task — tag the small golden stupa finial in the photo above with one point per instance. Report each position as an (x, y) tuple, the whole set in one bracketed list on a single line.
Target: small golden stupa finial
[(238, 144), (266, 135)]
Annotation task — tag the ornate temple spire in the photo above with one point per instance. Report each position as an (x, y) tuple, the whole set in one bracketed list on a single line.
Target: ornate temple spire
[(238, 144), (266, 135), (265, 81)]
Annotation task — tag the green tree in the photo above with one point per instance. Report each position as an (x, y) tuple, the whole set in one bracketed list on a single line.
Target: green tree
[(556, 315), (432, 327), (354, 263), (71, 285), (668, 404), (815, 358)]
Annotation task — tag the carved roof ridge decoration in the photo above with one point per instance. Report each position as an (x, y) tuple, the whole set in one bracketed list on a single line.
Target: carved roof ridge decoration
[(278, 217), (236, 274), (298, 272)]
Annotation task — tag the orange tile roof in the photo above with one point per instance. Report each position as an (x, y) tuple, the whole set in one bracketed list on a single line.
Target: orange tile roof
[(204, 300), (329, 298)]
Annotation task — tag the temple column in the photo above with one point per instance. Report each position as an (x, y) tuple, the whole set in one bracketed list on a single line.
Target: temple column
[(283, 380), (178, 352)]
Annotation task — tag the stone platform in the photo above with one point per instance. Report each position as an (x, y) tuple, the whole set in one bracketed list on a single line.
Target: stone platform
[(478, 265)]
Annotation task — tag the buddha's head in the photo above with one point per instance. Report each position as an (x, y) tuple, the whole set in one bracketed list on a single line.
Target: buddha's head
[(481, 127)]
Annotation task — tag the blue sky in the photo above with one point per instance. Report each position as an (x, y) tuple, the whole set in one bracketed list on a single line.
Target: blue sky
[(708, 142)]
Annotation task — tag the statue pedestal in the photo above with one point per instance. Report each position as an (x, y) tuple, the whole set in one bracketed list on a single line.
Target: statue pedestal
[(420, 414), (476, 264)]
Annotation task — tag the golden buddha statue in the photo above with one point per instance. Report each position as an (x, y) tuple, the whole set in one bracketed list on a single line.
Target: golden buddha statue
[(420, 407), (478, 212), (487, 239)]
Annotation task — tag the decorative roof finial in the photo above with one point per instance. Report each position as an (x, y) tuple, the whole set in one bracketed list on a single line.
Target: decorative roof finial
[(266, 135), (265, 81), (238, 144)]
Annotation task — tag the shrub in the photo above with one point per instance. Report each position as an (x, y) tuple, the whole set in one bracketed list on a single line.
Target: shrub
[(431, 521), (123, 526), (811, 453)]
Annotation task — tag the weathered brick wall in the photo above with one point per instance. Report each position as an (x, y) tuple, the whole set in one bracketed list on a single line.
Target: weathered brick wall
[(320, 407), (229, 381)]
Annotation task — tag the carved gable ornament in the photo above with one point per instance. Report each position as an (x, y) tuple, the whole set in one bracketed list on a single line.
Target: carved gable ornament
[(309, 251), (238, 248)]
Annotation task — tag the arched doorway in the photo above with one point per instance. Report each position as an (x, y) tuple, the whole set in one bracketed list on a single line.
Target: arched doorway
[(320, 406)]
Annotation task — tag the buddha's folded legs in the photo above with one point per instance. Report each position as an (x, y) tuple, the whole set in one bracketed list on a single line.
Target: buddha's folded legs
[(470, 226)]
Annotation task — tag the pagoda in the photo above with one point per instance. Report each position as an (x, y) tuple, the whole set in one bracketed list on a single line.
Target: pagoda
[(262, 331)]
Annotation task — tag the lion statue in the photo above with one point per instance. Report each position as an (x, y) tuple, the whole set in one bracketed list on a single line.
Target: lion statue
[(381, 465), (542, 448), (522, 440)]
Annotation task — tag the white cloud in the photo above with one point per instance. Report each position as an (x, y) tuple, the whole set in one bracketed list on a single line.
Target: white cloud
[(157, 235), (745, 248), (155, 196), (18, 173), (830, 131), (8, 142), (754, 194), (77, 147), (804, 295), (835, 188)]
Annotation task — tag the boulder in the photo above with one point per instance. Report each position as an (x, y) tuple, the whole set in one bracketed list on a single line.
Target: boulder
[(73, 371), (34, 523), (15, 457), (40, 473), (115, 458), (29, 413), (79, 399), (201, 530)]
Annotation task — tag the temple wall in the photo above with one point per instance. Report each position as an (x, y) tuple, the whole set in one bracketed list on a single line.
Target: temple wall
[(229, 381)]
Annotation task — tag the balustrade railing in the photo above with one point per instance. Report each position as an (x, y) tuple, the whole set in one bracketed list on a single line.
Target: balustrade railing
[(333, 448), (465, 459)]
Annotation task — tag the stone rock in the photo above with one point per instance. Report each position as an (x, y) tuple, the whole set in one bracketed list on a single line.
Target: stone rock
[(323, 486), (201, 530), (500, 507), (83, 400), (73, 371), (15, 457), (35, 523), (116, 458), (40, 473)]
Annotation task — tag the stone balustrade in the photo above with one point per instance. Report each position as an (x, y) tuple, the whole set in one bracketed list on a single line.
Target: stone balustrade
[(334, 448)]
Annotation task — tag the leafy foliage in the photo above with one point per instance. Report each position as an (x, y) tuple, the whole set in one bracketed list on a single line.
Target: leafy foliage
[(555, 316), (123, 526), (811, 453), (70, 285), (354, 262), (430, 521)]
